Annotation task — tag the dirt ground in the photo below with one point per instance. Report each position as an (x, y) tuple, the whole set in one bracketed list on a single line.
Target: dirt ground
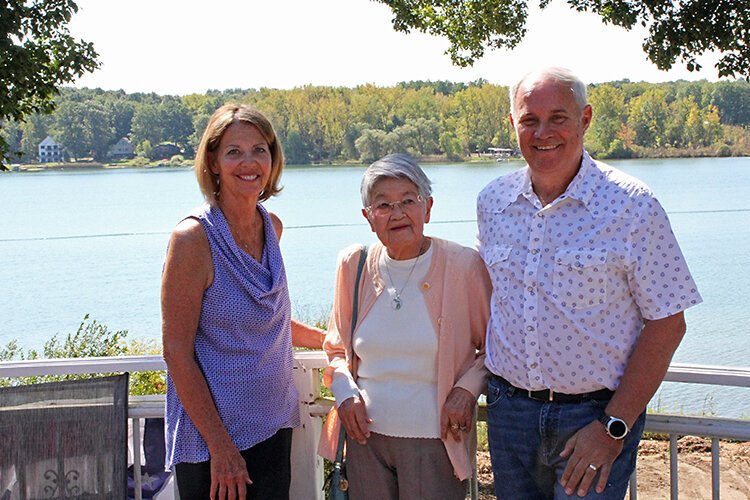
[(694, 470)]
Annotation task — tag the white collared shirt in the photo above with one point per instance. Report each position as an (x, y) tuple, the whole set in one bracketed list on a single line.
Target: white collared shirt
[(573, 281)]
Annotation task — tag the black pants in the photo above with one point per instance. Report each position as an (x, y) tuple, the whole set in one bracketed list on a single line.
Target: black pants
[(268, 463)]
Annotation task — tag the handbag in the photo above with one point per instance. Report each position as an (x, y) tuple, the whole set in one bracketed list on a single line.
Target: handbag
[(337, 482)]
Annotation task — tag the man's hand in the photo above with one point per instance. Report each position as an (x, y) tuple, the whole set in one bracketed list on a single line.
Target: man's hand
[(458, 413), (589, 446), (355, 420), (229, 477)]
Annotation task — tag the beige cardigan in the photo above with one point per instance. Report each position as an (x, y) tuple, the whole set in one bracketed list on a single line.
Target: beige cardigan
[(457, 291)]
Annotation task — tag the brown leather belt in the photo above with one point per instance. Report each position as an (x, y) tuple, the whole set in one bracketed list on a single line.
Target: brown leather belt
[(547, 395)]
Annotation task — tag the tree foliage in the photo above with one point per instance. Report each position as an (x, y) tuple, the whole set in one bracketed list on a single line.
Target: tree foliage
[(37, 55), (328, 124), (678, 29)]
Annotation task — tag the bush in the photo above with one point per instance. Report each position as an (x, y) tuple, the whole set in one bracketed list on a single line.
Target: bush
[(92, 339), (139, 161), (176, 160), (723, 151)]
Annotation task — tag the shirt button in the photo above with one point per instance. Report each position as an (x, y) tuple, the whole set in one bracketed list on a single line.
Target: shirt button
[(530, 328), (534, 251), (534, 365), (531, 289)]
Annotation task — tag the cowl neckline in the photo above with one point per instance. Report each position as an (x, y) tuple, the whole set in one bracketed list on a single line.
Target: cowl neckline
[(266, 276)]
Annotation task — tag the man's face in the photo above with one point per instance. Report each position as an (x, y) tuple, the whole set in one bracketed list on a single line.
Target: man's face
[(550, 126)]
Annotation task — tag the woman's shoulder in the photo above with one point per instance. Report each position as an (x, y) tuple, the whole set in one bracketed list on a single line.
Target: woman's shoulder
[(278, 226), (351, 253), (189, 235), (455, 250)]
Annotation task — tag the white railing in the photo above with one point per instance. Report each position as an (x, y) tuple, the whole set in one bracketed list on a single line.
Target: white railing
[(307, 467)]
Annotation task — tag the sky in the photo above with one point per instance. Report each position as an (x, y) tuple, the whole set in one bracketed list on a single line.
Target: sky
[(183, 47)]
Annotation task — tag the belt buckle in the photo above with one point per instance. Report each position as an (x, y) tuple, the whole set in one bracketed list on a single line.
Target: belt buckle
[(551, 396)]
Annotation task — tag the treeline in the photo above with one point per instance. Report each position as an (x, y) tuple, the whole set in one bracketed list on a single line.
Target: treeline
[(423, 118)]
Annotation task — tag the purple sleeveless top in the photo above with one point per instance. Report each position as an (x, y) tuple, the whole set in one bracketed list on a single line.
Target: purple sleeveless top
[(243, 345)]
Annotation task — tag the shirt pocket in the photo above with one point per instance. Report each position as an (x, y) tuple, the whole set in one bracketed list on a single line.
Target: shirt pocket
[(580, 279), (497, 259)]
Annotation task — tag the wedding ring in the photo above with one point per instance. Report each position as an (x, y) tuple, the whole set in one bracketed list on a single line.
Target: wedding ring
[(593, 467), (463, 428)]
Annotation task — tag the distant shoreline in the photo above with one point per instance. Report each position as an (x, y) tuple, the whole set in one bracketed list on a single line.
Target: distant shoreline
[(91, 166)]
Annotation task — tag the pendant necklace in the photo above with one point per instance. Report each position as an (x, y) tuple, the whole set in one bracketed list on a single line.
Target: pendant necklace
[(396, 302)]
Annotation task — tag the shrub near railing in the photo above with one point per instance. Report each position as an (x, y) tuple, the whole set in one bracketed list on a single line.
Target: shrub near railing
[(91, 339)]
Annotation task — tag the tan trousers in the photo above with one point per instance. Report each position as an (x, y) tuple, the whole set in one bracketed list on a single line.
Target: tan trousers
[(392, 468)]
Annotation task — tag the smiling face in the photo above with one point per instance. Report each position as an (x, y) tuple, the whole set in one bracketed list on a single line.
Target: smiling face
[(550, 126), (401, 230), (242, 161)]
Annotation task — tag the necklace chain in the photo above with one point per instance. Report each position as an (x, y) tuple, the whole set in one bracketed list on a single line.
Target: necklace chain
[(396, 302)]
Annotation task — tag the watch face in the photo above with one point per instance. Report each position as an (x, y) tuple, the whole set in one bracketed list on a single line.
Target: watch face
[(617, 428)]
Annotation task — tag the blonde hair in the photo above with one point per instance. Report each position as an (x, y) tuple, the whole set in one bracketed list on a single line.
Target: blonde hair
[(220, 121)]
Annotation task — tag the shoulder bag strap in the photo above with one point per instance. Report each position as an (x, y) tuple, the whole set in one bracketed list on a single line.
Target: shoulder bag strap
[(355, 306)]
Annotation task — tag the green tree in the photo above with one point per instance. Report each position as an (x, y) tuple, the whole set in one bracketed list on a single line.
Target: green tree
[(120, 114), (70, 128), (35, 129), (84, 128), (647, 115), (37, 55), (165, 121), (609, 114), (295, 149), (371, 145), (732, 99), (681, 29), (12, 134), (450, 145)]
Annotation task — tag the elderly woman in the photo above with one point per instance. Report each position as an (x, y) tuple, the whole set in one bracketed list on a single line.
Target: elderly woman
[(407, 379), (227, 330)]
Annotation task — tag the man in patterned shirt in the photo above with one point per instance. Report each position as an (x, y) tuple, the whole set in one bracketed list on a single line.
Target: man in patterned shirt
[(589, 289)]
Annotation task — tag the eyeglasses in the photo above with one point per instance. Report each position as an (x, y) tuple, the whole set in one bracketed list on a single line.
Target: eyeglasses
[(384, 208)]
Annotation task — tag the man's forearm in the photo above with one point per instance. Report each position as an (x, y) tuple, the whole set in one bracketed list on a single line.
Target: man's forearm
[(647, 366)]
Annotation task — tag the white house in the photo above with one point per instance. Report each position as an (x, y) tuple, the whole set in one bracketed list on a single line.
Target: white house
[(122, 149), (50, 151)]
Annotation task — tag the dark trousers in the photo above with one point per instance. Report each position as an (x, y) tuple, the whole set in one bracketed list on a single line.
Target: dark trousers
[(268, 464)]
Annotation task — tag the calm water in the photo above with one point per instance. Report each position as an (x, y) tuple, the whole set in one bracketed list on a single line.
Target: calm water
[(93, 242)]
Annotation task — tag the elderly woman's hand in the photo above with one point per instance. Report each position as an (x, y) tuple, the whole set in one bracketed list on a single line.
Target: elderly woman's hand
[(353, 415), (458, 413)]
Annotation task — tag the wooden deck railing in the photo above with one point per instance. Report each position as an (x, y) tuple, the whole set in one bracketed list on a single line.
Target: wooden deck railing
[(307, 467)]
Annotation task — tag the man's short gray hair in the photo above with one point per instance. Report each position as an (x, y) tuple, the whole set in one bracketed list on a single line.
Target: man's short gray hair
[(561, 75), (397, 166)]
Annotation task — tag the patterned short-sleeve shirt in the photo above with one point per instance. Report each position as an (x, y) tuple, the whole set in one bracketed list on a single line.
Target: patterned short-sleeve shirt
[(574, 280)]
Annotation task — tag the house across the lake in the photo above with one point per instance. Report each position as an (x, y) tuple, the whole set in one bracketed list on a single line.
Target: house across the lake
[(165, 151), (122, 150), (51, 151)]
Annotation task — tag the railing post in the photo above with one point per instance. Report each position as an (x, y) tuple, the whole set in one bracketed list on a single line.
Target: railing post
[(715, 462), (307, 466), (135, 425), (633, 485), (673, 490)]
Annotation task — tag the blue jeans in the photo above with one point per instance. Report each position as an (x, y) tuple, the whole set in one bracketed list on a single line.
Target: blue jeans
[(527, 436)]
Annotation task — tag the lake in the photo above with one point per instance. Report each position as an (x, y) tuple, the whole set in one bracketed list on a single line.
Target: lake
[(93, 242)]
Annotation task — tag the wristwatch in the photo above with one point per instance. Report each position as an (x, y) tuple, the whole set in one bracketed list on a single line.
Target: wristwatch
[(616, 427)]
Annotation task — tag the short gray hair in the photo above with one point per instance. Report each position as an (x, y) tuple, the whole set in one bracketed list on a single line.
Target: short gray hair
[(561, 75), (397, 166)]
